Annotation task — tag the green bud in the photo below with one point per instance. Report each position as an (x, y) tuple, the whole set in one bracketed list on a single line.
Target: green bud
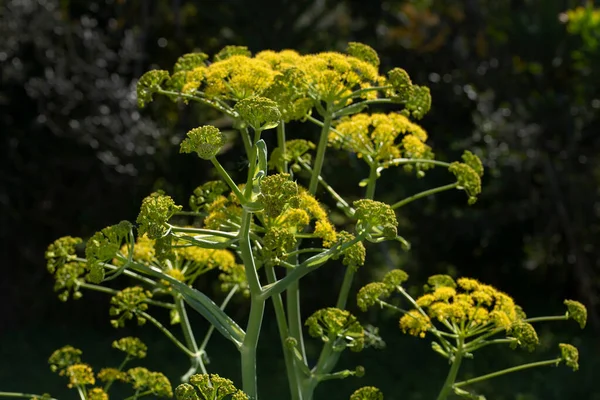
[(206, 141), (259, 112), (570, 355), (363, 52), (149, 84)]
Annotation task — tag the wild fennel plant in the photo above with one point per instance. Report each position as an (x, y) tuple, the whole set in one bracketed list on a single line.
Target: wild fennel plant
[(264, 234)]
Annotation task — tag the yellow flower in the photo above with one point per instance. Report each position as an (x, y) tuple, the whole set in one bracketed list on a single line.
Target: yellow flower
[(414, 323)]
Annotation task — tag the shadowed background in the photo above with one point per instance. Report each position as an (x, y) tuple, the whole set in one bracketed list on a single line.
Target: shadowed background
[(508, 81)]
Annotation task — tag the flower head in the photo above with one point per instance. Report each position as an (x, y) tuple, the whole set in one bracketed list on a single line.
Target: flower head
[(369, 294), (259, 112), (128, 303), (338, 325), (230, 51), (577, 312), (570, 355), (395, 277), (131, 346), (277, 193), (468, 180), (149, 84), (67, 279), (63, 358), (209, 387), (61, 251), (206, 141), (401, 83), (156, 210), (189, 62), (153, 382), (354, 256), (414, 323), (379, 218), (525, 334), (367, 393), (80, 375), (419, 101), (363, 52), (97, 394)]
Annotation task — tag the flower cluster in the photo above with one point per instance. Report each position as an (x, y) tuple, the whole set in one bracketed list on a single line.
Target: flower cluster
[(377, 218), (373, 292), (128, 303), (209, 387), (468, 175), (62, 250), (156, 210), (206, 141), (67, 362), (131, 346), (380, 138), (333, 324), (150, 382), (295, 83)]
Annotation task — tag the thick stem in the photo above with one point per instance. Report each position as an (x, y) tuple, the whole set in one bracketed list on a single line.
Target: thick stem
[(424, 193), (320, 157), (281, 143), (451, 378), (507, 371), (283, 335), (257, 306), (372, 181), (248, 347)]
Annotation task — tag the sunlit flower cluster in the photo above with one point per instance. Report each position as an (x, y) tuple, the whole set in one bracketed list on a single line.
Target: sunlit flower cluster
[(381, 137)]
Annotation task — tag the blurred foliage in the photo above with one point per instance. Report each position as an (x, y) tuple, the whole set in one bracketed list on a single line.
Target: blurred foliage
[(514, 81)]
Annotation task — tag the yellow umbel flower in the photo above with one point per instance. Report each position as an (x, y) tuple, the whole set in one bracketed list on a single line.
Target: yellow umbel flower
[(414, 323), (380, 137), (237, 77)]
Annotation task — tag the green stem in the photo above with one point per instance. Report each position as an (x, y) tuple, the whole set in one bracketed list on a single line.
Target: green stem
[(257, 306), (320, 157), (228, 179), (190, 340), (81, 392), (304, 268), (168, 334), (17, 395), (202, 231), (402, 161), (345, 289), (451, 378), (246, 140), (359, 92), (249, 345), (424, 193), (507, 371), (128, 273), (372, 181), (545, 319), (281, 143), (470, 348), (283, 335)]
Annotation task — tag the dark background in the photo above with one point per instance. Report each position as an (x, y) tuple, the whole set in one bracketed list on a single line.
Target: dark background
[(508, 81)]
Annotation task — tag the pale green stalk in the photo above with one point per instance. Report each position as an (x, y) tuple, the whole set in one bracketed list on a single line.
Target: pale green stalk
[(451, 378), (281, 143), (17, 395), (283, 335), (168, 334), (372, 180), (210, 103), (546, 319), (225, 175), (190, 339), (257, 306), (424, 193), (508, 370)]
